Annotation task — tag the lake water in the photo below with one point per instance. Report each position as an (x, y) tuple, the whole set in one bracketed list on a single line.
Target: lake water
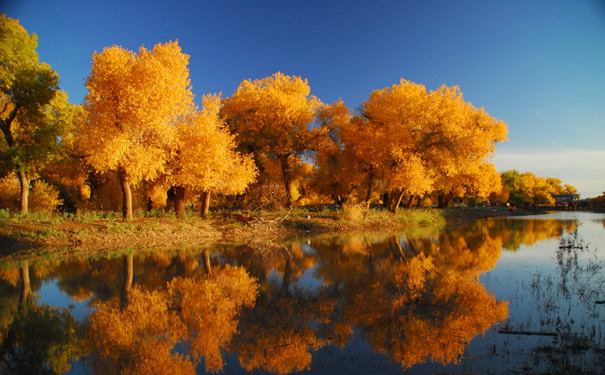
[(496, 296)]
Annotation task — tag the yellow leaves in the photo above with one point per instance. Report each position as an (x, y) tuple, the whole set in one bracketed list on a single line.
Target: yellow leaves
[(133, 106), (141, 337), (279, 108), (206, 158)]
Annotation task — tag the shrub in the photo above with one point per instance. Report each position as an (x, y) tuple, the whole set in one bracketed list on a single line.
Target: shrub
[(44, 198), (10, 189), (353, 212)]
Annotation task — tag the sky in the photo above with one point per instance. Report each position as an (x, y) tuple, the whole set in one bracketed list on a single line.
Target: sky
[(537, 65)]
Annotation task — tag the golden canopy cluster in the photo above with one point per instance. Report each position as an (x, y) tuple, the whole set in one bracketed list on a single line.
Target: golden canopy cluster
[(271, 141)]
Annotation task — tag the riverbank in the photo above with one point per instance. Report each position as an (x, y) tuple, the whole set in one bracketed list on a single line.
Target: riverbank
[(101, 232)]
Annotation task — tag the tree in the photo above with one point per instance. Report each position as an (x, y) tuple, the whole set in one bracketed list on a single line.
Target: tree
[(26, 86), (271, 117), (527, 189), (134, 104), (205, 158), (423, 140)]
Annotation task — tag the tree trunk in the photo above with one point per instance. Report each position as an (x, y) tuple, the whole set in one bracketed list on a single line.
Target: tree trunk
[(385, 200), (126, 194), (128, 276), (205, 204), (411, 201), (26, 290), (395, 199), (287, 181), (369, 193), (24, 198), (179, 200), (441, 200)]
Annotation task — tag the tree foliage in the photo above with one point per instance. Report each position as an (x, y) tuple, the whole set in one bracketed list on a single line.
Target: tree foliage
[(527, 189), (27, 86), (205, 158), (271, 117), (134, 104)]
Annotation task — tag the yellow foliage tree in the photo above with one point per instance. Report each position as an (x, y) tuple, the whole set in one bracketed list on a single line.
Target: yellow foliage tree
[(134, 104), (271, 117), (205, 159), (423, 140)]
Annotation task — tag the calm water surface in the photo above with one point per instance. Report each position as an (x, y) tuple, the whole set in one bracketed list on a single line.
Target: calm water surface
[(497, 296)]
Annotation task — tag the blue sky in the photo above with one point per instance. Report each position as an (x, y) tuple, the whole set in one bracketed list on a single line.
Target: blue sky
[(537, 65)]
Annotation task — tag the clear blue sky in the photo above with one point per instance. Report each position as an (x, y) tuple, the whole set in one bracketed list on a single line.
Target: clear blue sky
[(537, 65)]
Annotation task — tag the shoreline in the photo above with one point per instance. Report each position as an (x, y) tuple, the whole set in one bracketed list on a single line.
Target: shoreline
[(26, 238)]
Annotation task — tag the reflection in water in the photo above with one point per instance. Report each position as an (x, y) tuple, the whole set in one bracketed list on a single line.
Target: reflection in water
[(138, 335), (416, 299)]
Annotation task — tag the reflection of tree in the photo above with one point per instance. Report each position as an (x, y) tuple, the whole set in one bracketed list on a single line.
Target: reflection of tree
[(515, 233), (415, 298), (200, 313), (34, 339), (426, 311), (277, 336)]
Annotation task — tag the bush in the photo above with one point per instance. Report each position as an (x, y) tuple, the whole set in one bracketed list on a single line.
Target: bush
[(10, 189), (44, 198), (353, 213)]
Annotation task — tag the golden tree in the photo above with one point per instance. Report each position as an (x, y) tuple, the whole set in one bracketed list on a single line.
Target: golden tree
[(423, 140), (205, 158), (134, 104), (271, 117)]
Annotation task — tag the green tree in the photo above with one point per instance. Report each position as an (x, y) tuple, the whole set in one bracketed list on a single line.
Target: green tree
[(27, 86)]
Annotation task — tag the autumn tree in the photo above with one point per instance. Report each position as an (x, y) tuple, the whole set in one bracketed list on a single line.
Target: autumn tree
[(205, 159), (271, 117), (335, 176), (134, 104), (527, 189), (27, 86), (424, 140)]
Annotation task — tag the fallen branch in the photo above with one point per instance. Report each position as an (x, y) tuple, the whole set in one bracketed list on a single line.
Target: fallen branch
[(600, 302), (529, 333)]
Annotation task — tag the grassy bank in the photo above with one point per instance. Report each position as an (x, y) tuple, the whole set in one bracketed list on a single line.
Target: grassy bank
[(102, 231)]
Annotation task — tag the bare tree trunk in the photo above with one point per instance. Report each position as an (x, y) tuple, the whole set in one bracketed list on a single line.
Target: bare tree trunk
[(24, 198), (287, 181), (128, 276), (205, 204), (179, 200), (126, 194)]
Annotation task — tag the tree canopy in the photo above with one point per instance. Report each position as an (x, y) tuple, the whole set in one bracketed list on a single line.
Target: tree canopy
[(134, 105), (272, 117), (27, 86)]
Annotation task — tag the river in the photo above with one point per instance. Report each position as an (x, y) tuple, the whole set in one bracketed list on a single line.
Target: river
[(498, 295)]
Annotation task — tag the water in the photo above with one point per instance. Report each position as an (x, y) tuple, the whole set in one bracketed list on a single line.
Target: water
[(500, 296)]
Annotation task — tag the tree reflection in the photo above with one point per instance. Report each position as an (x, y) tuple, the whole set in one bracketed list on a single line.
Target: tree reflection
[(414, 299), (198, 314), (34, 339)]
